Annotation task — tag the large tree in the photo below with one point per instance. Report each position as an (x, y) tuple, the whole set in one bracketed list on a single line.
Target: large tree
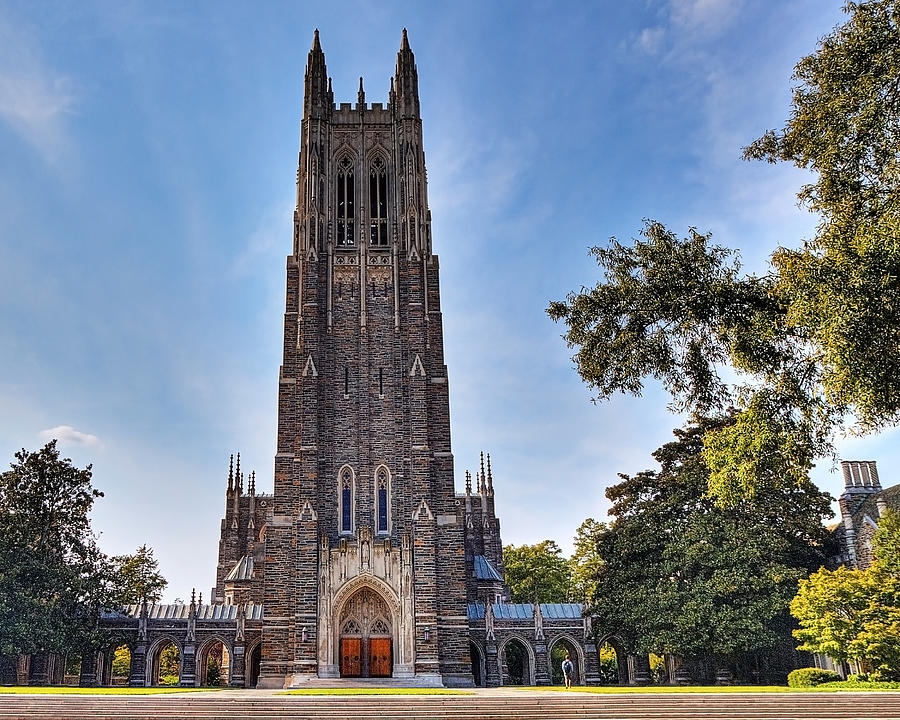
[(54, 580), (855, 614), (537, 573), (681, 574), (138, 577), (813, 343)]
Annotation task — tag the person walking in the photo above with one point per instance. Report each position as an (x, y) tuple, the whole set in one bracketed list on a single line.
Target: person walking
[(568, 670)]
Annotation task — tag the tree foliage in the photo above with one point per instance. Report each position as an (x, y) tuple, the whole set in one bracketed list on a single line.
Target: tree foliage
[(54, 579), (586, 563), (815, 341), (537, 573), (855, 614), (683, 575), (138, 577)]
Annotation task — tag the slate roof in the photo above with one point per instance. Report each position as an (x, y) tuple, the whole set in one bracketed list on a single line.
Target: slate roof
[(179, 611), (242, 571), (484, 570), (525, 611)]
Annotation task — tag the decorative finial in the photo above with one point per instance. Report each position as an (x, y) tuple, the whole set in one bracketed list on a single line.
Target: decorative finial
[(237, 474), (490, 478), (231, 473), (253, 483), (241, 483), (193, 596), (361, 95), (481, 479), (404, 43), (316, 45), (200, 599), (468, 483)]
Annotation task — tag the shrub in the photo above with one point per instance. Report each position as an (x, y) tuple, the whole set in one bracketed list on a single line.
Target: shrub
[(807, 677)]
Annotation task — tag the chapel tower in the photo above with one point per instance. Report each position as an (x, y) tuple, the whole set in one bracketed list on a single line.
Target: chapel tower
[(364, 540)]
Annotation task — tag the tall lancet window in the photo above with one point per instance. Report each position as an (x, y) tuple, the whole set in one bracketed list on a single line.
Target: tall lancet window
[(345, 195), (382, 499), (346, 498), (378, 235)]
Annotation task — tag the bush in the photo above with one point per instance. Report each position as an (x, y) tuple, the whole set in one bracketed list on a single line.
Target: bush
[(808, 677)]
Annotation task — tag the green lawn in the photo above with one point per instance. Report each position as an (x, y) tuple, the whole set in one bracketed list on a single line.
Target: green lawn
[(56, 690), (724, 689), (375, 691)]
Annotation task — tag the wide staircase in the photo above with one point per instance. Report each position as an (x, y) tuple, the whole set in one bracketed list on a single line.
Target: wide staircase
[(483, 705)]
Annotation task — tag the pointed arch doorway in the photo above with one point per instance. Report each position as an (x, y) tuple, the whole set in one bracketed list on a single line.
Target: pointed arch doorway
[(365, 644)]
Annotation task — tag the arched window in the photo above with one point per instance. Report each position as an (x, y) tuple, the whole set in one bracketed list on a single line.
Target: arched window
[(345, 197), (345, 494), (378, 235), (382, 500)]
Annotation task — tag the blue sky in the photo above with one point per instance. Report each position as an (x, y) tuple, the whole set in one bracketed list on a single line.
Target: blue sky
[(147, 166)]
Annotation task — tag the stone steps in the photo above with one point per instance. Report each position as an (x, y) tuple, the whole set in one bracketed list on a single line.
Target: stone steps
[(522, 705)]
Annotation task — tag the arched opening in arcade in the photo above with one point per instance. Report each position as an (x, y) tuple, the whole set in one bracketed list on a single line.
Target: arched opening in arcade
[(213, 664), (559, 650), (166, 664), (254, 655), (515, 663), (365, 643), (612, 662), (121, 665), (478, 668)]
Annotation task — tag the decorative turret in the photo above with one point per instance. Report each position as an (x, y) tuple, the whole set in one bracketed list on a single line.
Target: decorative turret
[(406, 81), (317, 91)]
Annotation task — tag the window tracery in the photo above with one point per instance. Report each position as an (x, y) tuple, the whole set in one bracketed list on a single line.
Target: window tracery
[(382, 499), (345, 204), (346, 500), (378, 235)]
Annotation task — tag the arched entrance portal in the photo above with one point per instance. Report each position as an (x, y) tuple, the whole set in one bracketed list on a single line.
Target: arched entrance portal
[(365, 647)]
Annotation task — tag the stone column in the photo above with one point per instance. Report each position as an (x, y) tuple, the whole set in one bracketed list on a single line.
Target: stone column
[(88, 669), (491, 665), (38, 671), (542, 672), (236, 676), (641, 670), (591, 670), (137, 675), (187, 676)]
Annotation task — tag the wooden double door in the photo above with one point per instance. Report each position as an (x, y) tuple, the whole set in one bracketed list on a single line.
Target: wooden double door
[(366, 656)]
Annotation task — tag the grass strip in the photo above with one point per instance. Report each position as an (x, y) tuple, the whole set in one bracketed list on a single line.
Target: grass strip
[(708, 689)]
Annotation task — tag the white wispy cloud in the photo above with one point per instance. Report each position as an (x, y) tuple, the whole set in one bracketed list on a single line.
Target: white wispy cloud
[(650, 40), (705, 16), (66, 434), (34, 98)]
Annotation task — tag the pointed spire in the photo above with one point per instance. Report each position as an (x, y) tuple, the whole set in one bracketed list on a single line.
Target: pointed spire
[(193, 596), (239, 485), (361, 96), (253, 481), (490, 477), (200, 599), (231, 474), (315, 97), (468, 483), (407, 81), (481, 480)]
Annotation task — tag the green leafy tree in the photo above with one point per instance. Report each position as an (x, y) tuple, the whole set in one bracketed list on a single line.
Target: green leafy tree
[(886, 543), (138, 577), (586, 563), (683, 575), (814, 341), (537, 573), (855, 614), (53, 577)]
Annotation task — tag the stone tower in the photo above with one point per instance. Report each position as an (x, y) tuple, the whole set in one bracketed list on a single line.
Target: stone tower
[(364, 563)]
